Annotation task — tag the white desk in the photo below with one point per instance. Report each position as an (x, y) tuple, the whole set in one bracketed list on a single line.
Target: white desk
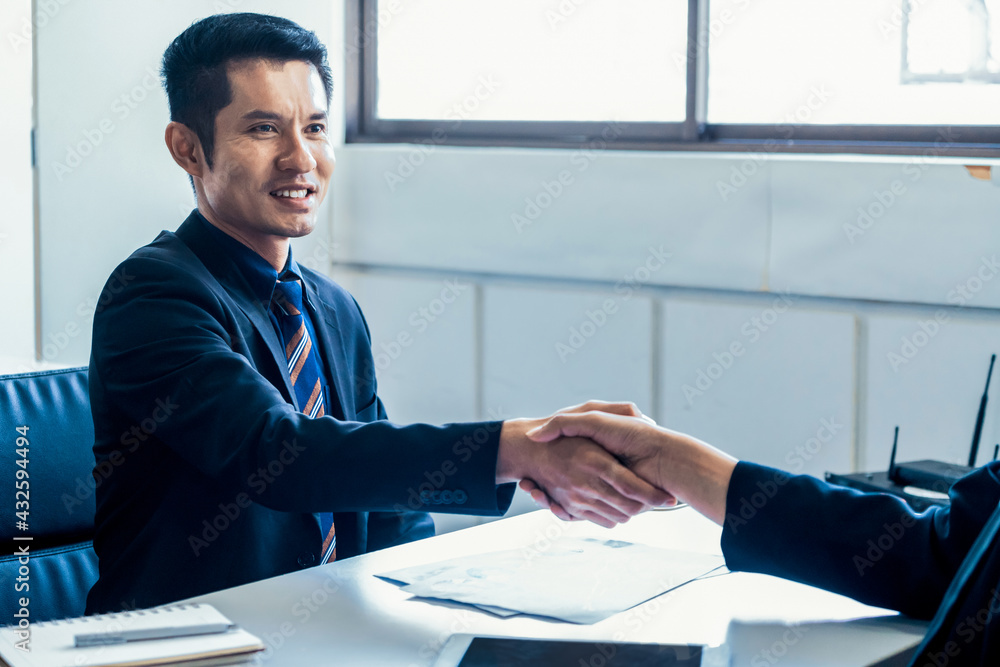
[(341, 614)]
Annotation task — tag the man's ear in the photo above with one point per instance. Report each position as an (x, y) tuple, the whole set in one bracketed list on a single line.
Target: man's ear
[(185, 148)]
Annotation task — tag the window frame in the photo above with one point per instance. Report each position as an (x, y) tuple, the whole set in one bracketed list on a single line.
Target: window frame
[(362, 126)]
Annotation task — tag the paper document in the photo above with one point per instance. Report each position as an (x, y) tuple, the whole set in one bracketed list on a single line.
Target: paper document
[(575, 580)]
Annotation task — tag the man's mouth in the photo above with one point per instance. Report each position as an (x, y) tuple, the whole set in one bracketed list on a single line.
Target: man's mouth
[(293, 194)]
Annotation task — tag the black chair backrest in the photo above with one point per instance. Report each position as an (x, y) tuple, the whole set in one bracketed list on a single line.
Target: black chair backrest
[(47, 511)]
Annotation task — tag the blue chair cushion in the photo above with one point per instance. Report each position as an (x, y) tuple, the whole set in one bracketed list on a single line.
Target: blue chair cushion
[(57, 582), (59, 497)]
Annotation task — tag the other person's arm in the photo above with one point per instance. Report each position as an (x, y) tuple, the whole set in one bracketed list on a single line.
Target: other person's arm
[(872, 547)]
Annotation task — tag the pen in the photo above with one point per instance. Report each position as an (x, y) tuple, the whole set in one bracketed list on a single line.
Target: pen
[(105, 638)]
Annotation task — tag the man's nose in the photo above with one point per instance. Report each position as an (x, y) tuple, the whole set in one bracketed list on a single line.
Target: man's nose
[(296, 155)]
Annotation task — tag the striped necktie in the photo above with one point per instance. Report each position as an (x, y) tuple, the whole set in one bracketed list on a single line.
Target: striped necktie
[(303, 363), (306, 375)]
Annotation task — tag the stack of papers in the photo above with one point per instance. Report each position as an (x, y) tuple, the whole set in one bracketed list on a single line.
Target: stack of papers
[(575, 580)]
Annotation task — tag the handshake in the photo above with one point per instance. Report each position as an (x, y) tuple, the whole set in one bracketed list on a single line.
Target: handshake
[(607, 462)]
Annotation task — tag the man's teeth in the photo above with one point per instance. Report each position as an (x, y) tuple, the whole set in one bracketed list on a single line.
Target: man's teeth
[(294, 194)]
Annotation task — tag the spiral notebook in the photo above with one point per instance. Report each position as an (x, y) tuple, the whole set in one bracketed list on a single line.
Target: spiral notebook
[(53, 643)]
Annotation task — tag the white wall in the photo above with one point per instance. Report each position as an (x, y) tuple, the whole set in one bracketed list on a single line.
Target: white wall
[(17, 317)]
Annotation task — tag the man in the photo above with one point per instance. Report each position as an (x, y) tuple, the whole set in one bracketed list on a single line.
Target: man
[(234, 392), (868, 546)]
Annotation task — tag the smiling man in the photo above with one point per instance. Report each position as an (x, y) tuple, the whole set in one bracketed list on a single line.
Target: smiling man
[(275, 453)]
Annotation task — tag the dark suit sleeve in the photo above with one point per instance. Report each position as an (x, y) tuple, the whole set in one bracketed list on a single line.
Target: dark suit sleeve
[(167, 352), (389, 529), (869, 546)]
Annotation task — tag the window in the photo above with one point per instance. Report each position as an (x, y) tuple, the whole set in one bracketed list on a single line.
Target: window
[(874, 76), (953, 42), (507, 61)]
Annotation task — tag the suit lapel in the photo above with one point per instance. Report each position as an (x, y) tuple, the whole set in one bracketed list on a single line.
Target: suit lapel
[(232, 281), (254, 311)]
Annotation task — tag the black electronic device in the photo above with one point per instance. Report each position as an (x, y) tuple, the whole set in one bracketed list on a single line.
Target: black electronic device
[(924, 483), (929, 474), (918, 498), (464, 650)]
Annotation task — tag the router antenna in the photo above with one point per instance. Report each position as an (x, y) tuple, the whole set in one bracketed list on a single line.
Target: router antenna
[(892, 457), (996, 450), (977, 434)]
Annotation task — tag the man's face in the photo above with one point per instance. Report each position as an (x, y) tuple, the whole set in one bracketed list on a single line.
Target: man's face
[(273, 157)]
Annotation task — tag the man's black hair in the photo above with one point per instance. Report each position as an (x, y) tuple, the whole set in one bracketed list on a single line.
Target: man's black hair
[(194, 65)]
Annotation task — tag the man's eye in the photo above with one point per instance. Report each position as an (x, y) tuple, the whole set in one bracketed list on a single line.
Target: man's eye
[(317, 127), (264, 128)]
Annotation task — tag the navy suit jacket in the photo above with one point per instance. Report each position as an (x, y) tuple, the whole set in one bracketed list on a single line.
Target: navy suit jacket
[(207, 476), (873, 547)]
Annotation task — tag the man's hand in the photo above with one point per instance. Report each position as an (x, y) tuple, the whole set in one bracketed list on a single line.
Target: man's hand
[(583, 479), (687, 468), (626, 409)]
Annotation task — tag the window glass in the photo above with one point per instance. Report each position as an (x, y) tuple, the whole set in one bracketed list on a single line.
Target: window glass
[(869, 62), (548, 60)]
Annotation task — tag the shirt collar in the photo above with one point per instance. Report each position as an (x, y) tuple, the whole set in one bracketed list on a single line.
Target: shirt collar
[(259, 274)]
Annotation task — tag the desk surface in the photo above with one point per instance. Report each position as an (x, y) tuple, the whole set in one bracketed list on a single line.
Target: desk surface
[(342, 614)]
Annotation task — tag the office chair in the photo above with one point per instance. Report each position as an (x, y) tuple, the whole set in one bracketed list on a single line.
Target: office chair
[(46, 430)]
